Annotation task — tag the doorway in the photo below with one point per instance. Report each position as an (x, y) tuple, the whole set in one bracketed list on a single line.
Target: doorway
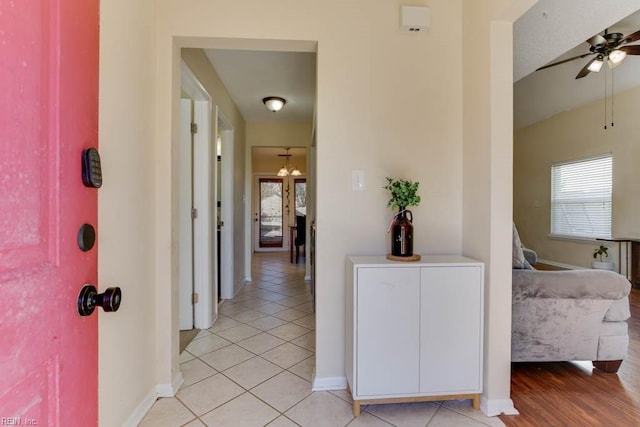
[(278, 200), (269, 216), (197, 241)]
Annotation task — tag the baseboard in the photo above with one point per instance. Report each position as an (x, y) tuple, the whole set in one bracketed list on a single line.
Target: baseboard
[(329, 383), (142, 409), (170, 390), (561, 265), (160, 390), (495, 407), (240, 286)]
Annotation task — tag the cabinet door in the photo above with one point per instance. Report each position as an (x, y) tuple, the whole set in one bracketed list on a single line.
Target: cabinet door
[(451, 330), (388, 331)]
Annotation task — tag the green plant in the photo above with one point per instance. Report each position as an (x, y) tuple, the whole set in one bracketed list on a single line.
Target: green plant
[(602, 250), (403, 193)]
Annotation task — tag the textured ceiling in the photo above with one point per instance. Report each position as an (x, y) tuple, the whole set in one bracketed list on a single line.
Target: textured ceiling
[(553, 30), (552, 27)]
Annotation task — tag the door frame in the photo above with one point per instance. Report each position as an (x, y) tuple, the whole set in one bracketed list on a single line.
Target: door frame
[(204, 180), (225, 130)]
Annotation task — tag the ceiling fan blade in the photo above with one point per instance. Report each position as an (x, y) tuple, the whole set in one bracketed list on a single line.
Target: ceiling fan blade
[(565, 60), (585, 70), (597, 40), (631, 50), (632, 37)]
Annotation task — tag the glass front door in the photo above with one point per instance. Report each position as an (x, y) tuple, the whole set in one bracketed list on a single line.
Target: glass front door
[(271, 213)]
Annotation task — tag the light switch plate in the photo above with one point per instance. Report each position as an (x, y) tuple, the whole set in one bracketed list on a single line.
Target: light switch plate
[(357, 180)]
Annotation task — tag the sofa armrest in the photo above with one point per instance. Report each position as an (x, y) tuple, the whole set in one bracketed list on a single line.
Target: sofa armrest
[(530, 255), (576, 284)]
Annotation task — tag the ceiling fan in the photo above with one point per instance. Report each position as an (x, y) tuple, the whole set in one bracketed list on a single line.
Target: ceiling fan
[(610, 47)]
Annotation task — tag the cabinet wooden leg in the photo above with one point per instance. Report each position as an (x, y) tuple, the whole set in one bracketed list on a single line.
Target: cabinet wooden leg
[(476, 402), (356, 408)]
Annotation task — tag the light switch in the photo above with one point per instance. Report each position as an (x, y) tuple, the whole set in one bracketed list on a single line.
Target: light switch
[(357, 180)]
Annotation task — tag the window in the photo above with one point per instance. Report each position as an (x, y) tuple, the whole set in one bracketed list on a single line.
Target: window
[(300, 196), (581, 198)]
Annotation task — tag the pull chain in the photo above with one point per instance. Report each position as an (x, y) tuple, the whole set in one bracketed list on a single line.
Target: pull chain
[(612, 97), (605, 99)]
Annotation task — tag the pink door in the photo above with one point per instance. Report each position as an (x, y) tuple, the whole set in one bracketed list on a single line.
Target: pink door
[(48, 115)]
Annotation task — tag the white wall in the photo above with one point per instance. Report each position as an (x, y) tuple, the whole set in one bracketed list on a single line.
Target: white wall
[(278, 134), (126, 233), (573, 135), (415, 133)]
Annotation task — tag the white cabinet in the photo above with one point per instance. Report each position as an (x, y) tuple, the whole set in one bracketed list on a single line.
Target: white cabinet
[(414, 329)]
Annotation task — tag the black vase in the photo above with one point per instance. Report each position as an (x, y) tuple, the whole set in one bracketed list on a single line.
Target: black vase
[(402, 234)]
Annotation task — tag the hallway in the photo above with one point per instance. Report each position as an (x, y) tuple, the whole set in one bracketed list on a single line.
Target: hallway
[(254, 367)]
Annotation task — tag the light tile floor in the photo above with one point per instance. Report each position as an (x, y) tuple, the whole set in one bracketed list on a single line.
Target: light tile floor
[(254, 368)]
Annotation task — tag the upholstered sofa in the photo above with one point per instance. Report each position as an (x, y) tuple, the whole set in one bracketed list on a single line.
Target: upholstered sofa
[(568, 315)]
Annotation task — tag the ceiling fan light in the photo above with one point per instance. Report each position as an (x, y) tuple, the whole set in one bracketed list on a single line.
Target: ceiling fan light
[(595, 65), (283, 171), (617, 56), (295, 172), (274, 103)]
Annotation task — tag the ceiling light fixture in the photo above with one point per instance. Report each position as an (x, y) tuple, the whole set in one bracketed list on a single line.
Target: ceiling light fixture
[(286, 170), (616, 57), (596, 64), (274, 103)]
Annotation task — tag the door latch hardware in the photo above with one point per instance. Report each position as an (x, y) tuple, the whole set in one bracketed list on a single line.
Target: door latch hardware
[(89, 299), (86, 237)]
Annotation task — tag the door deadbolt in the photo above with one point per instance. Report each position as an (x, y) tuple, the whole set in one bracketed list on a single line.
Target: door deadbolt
[(89, 299)]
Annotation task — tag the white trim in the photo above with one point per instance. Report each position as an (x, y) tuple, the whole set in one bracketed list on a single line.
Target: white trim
[(244, 282), (170, 390), (160, 390), (559, 264), (227, 261), (142, 409), (495, 407), (574, 239), (191, 85), (329, 383), (307, 278)]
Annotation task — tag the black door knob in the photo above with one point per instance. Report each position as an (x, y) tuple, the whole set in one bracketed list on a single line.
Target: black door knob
[(89, 299)]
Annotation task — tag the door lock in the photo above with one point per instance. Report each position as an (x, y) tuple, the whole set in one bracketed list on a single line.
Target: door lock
[(89, 298)]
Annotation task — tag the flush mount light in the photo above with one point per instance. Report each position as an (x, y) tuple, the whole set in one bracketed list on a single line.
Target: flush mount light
[(274, 103)]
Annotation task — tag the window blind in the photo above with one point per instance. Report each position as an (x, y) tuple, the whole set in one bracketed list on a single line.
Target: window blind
[(581, 198)]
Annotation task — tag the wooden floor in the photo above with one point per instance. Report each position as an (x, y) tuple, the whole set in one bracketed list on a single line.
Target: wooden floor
[(574, 394)]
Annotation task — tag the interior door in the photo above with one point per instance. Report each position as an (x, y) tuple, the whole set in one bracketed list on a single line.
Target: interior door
[(48, 115), (185, 252)]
